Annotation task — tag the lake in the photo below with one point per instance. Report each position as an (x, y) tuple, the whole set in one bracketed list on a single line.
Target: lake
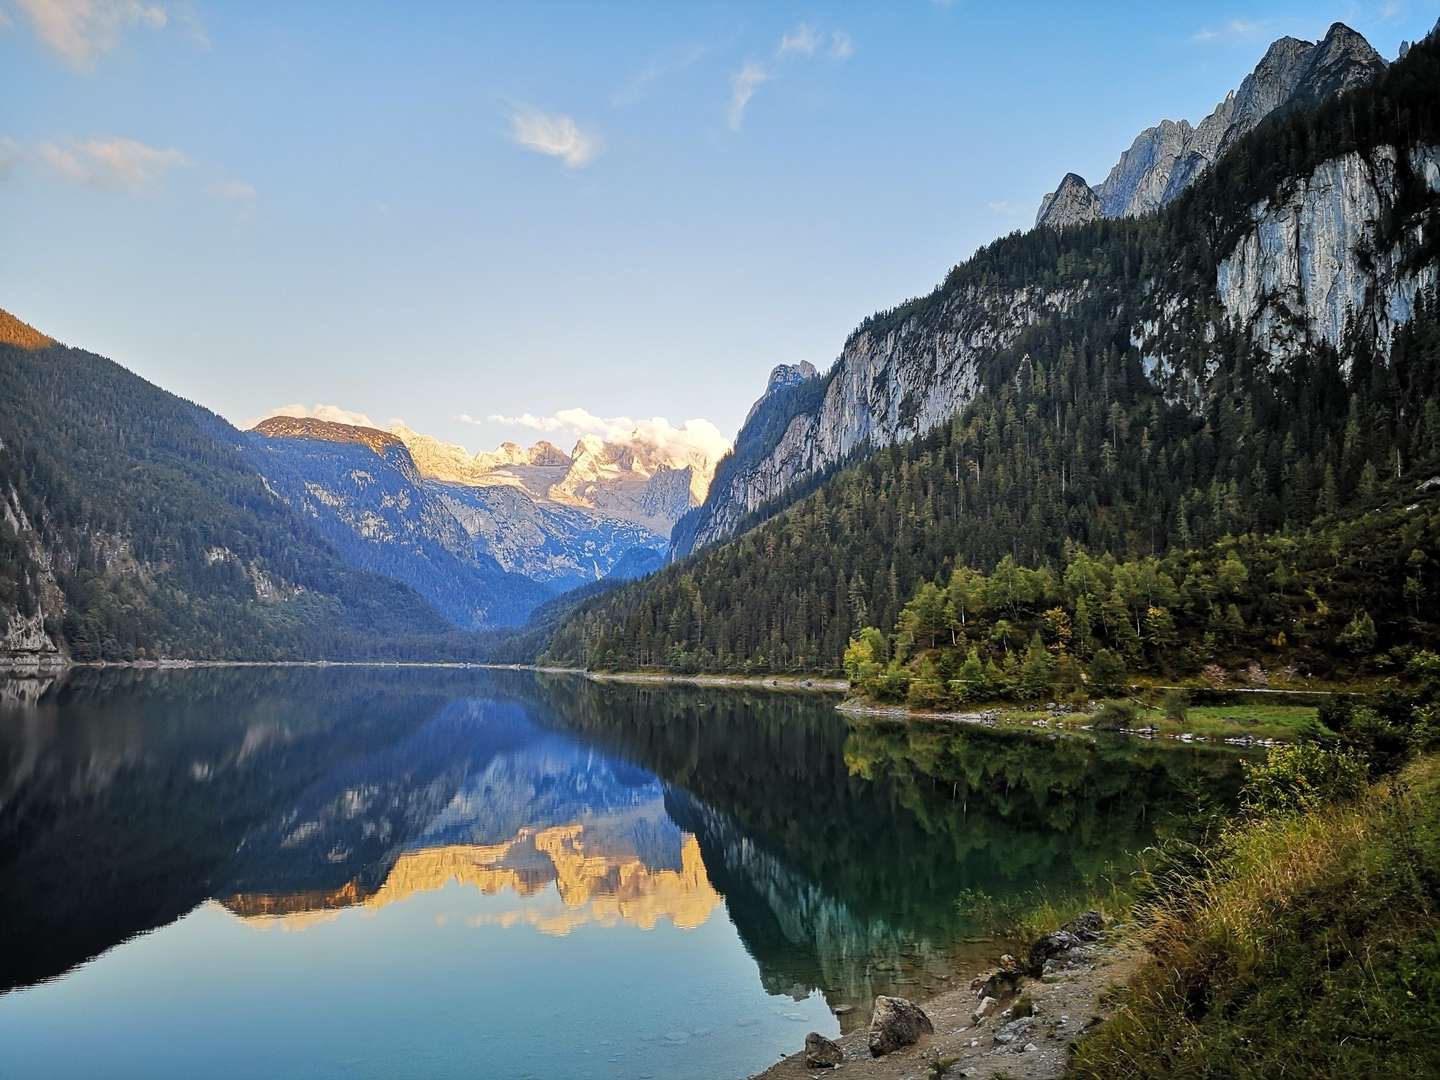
[(405, 872)]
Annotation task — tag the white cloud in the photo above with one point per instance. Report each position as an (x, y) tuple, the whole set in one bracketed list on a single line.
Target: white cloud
[(555, 135), (691, 437), (110, 162), (233, 190), (743, 85), (81, 30), (803, 39), (1234, 30), (659, 67)]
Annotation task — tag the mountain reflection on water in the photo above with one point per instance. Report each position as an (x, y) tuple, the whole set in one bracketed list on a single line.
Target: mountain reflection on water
[(293, 795)]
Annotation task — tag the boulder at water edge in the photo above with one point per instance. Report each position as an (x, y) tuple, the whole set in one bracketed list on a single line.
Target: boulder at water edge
[(822, 1053), (896, 1023)]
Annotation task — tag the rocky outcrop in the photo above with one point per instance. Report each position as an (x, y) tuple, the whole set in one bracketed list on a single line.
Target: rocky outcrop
[(895, 1023), (1072, 203), (24, 639), (1319, 257), (822, 1053), (1166, 159)]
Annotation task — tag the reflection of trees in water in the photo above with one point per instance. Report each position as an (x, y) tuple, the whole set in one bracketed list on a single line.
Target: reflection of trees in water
[(125, 793), (842, 848)]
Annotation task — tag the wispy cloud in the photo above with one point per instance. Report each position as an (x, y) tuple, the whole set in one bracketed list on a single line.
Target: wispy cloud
[(1003, 207), (79, 31), (699, 437), (800, 41), (233, 190), (668, 63), (112, 162), (803, 39), (743, 85), (10, 157), (553, 134), (1233, 30)]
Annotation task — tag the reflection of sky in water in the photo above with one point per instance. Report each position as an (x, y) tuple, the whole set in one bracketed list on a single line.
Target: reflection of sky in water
[(436, 985)]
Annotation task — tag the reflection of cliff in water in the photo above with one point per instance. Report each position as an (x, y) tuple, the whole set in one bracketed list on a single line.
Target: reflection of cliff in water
[(595, 880)]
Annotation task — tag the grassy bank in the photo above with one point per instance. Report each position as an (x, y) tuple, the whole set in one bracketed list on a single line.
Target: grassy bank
[(1306, 944)]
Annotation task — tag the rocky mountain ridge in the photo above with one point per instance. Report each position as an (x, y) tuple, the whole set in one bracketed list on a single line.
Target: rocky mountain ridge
[(1166, 159), (1342, 245)]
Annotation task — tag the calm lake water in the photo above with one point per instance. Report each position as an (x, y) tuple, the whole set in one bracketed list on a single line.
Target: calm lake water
[(434, 873)]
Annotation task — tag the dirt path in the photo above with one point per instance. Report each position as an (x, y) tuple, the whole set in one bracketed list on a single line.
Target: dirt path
[(1066, 1004)]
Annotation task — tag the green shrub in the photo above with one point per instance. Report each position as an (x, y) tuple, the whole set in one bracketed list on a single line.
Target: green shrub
[(1301, 778), (1114, 716), (1175, 704)]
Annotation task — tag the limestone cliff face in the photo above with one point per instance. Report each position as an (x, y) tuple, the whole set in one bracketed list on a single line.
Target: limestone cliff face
[(888, 385), (1314, 258)]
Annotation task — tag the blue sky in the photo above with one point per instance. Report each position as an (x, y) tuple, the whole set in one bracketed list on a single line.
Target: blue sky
[(437, 211)]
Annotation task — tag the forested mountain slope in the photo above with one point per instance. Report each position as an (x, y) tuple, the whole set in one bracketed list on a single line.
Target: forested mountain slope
[(1110, 386), (1311, 227), (134, 526)]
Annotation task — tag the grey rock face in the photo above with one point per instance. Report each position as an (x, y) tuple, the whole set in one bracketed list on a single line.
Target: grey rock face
[(1295, 277), (1072, 203), (822, 1053), (1138, 182), (1272, 83), (896, 1022), (1164, 160)]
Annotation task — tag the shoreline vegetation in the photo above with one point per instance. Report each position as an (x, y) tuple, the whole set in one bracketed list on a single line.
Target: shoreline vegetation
[(1300, 937)]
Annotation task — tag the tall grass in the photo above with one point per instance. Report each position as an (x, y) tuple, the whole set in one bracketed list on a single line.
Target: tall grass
[(1302, 945)]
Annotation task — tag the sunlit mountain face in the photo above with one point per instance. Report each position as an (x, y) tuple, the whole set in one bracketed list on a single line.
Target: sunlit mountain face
[(392, 850)]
